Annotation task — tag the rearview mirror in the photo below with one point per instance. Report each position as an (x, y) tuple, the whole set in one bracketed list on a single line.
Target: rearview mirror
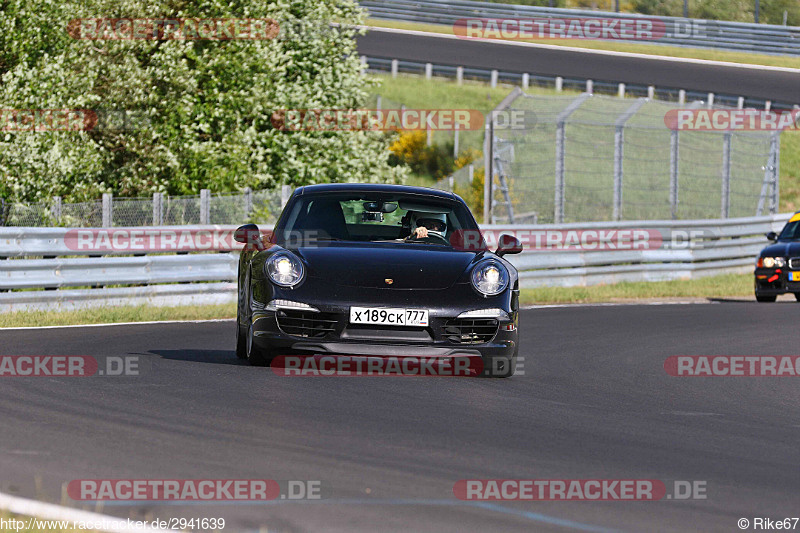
[(772, 236), (247, 234), (508, 244)]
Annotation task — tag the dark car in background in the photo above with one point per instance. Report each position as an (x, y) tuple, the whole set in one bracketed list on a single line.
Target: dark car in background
[(778, 265), (344, 272)]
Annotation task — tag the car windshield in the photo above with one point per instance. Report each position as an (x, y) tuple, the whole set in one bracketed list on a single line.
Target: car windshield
[(371, 217), (791, 231)]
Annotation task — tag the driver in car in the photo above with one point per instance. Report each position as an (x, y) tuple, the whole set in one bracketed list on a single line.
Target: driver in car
[(424, 224)]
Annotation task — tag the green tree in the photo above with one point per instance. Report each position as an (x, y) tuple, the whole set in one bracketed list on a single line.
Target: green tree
[(201, 107)]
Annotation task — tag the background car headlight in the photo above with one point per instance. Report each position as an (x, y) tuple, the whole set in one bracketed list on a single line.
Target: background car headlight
[(490, 278), (284, 269), (774, 262)]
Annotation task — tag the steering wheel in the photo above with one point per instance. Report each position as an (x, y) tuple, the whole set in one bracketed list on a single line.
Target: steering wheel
[(431, 236)]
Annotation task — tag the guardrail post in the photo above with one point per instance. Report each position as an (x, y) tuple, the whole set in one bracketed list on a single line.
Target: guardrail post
[(621, 90), (205, 206), (768, 105), (526, 80), (726, 175), (681, 96), (55, 210), (428, 71), (364, 61), (394, 68), (740, 103), (459, 75), (651, 92), (158, 209), (248, 198), (286, 192), (471, 172), (674, 158), (455, 141), (710, 100), (589, 86), (108, 208), (494, 79), (559, 83), (378, 102)]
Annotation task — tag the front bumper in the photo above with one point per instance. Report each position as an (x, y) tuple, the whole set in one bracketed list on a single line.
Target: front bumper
[(285, 332), (775, 281)]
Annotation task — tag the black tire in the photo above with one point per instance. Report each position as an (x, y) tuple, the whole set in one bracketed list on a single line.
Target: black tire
[(241, 341), (763, 298), (255, 355), (797, 296)]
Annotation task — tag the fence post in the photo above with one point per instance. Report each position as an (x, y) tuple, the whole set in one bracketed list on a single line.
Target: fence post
[(394, 68), (561, 120), (493, 81), (526, 80), (619, 147), (726, 175), (428, 71), (286, 192), (682, 96), (621, 90), (559, 83), (205, 206), (248, 200), (459, 75), (651, 92), (775, 150), (108, 208), (158, 209), (56, 209), (589, 86), (674, 158)]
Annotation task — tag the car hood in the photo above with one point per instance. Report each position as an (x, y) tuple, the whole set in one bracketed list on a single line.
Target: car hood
[(782, 249), (408, 266)]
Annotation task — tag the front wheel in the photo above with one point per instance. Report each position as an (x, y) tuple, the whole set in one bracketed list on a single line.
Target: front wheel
[(241, 342), (255, 355), (765, 298)]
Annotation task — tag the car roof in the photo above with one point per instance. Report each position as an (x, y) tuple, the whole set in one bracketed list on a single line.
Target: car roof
[(373, 187)]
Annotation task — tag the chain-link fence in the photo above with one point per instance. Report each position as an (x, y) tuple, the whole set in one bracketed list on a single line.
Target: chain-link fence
[(600, 158), (159, 210)]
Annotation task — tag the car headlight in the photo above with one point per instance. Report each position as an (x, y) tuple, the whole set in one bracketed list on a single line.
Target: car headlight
[(774, 262), (284, 269), (490, 278)]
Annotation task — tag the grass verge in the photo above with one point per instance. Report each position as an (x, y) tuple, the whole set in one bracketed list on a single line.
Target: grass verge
[(723, 286), (110, 315), (637, 48)]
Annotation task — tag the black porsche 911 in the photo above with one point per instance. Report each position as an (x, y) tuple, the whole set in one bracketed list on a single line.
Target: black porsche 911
[(778, 265), (377, 270)]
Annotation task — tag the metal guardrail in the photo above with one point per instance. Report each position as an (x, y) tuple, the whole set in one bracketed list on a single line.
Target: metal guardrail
[(671, 250), (695, 33)]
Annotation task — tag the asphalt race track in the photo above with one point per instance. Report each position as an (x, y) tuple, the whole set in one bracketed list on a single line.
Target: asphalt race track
[(778, 86), (594, 403)]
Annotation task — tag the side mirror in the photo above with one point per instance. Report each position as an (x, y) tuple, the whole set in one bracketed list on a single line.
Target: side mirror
[(508, 244), (772, 236), (247, 234)]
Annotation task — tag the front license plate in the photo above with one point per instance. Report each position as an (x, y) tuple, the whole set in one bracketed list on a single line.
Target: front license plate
[(388, 316), (794, 276)]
